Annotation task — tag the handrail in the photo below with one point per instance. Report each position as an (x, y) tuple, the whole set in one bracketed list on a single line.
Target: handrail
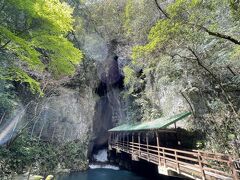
[(200, 161), (194, 153)]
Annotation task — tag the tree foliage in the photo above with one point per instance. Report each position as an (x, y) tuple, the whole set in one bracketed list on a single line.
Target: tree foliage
[(34, 33), (195, 46)]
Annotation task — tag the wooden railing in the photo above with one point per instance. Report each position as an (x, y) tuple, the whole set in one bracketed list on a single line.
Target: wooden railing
[(194, 164)]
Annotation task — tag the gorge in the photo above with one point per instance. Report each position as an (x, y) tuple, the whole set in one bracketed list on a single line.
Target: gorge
[(73, 69)]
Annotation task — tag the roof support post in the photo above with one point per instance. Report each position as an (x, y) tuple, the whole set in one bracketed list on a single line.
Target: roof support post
[(147, 145), (120, 140), (158, 148), (123, 140), (176, 134), (127, 142), (110, 138), (132, 142), (109, 141), (139, 147), (117, 140)]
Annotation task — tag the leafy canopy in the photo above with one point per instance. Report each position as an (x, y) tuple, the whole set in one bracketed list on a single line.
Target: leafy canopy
[(35, 32)]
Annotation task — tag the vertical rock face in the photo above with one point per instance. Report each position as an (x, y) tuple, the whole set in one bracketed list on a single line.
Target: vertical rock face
[(82, 110), (108, 108), (65, 116), (171, 102), (166, 99)]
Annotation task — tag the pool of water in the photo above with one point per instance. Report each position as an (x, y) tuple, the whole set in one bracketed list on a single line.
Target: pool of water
[(101, 174)]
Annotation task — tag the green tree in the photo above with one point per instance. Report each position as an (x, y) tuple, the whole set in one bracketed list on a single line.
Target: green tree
[(35, 33), (195, 46)]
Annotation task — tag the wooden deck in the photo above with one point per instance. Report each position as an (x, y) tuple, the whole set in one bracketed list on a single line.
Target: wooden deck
[(192, 164)]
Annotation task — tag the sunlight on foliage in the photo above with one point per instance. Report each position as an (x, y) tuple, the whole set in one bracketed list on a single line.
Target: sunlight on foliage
[(22, 48), (43, 37), (129, 75), (55, 15), (16, 74)]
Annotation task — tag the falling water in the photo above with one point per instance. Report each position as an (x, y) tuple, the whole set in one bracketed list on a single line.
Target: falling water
[(101, 156), (102, 161), (9, 130)]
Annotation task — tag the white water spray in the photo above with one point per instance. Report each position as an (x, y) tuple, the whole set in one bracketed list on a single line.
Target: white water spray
[(101, 161), (101, 156), (8, 131), (104, 166)]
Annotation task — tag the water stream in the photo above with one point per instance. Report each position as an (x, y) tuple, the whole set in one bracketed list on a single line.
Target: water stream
[(101, 161), (101, 174), (101, 170)]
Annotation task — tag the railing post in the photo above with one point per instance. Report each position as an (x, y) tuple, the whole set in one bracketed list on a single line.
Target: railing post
[(234, 172), (139, 148), (158, 148), (176, 158), (164, 159), (147, 145), (201, 166)]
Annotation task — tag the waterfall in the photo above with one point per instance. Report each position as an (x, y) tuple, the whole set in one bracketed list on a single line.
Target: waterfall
[(10, 129), (101, 156), (102, 161)]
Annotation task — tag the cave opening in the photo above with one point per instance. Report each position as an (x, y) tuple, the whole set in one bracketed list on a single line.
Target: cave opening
[(109, 88)]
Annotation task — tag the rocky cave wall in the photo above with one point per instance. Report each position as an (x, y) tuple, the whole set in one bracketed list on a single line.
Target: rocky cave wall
[(65, 116)]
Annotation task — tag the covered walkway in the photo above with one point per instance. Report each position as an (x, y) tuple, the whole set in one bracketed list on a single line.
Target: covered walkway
[(154, 142)]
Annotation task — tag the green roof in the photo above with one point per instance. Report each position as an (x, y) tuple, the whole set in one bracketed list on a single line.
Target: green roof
[(160, 123)]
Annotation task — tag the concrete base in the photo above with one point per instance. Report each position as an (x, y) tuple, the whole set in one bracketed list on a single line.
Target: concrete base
[(118, 150), (135, 157), (163, 170)]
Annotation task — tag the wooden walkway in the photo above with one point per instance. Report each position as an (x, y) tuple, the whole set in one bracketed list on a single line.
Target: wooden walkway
[(192, 164)]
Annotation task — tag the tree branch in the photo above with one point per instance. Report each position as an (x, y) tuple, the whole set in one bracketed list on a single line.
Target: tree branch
[(4, 45), (19, 33), (211, 33), (228, 98), (219, 35), (160, 9), (233, 73), (200, 64), (189, 103)]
